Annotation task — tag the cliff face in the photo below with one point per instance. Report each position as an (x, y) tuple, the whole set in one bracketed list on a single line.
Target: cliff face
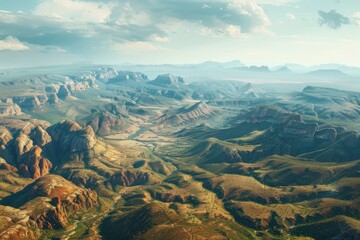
[(22, 145), (40, 136), (168, 80), (50, 94), (50, 200), (70, 89), (9, 110), (24, 151), (15, 224), (35, 165), (5, 136), (130, 178), (104, 123), (69, 136)]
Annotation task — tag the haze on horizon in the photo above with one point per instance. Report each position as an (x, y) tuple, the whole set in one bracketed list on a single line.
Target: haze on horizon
[(258, 32)]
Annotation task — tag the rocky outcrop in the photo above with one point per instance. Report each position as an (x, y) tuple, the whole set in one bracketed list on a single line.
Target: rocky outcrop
[(128, 76), (27, 101), (51, 199), (106, 73), (69, 136), (168, 80), (130, 178), (22, 144), (35, 165), (5, 166), (9, 110), (103, 123), (40, 136), (52, 88), (16, 224), (53, 98), (5, 137), (64, 92), (70, 89), (78, 86)]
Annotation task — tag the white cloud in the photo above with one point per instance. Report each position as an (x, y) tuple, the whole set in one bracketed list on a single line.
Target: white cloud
[(7, 17), (250, 12), (73, 10), (157, 38), (290, 16), (12, 44), (356, 17), (131, 16), (275, 2)]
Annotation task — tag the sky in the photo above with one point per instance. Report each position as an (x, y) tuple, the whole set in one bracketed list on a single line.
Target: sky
[(256, 32)]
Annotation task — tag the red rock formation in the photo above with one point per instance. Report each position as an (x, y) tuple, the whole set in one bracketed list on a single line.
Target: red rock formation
[(8, 167), (34, 165), (69, 136), (40, 136), (22, 145), (129, 178), (51, 199)]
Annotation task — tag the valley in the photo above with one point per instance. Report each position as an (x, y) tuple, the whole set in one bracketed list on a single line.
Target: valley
[(101, 152)]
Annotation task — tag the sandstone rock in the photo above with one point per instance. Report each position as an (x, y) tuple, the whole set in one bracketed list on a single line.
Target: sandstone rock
[(52, 98), (40, 137), (15, 224), (69, 136), (79, 86), (5, 139), (63, 92), (52, 89), (168, 80), (9, 101), (129, 178), (22, 145), (34, 165), (128, 76), (103, 123), (51, 199), (27, 101), (7, 167), (9, 110), (5, 136), (43, 99)]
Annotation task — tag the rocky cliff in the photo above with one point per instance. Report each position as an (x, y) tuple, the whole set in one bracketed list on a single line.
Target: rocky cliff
[(50, 200), (69, 136), (9, 109)]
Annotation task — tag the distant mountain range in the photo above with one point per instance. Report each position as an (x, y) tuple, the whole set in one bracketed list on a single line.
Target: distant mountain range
[(286, 68)]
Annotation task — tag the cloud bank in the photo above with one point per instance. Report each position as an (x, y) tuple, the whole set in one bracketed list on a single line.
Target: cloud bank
[(76, 25), (12, 44)]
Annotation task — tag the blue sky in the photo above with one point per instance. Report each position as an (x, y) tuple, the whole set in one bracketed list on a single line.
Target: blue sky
[(259, 32)]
